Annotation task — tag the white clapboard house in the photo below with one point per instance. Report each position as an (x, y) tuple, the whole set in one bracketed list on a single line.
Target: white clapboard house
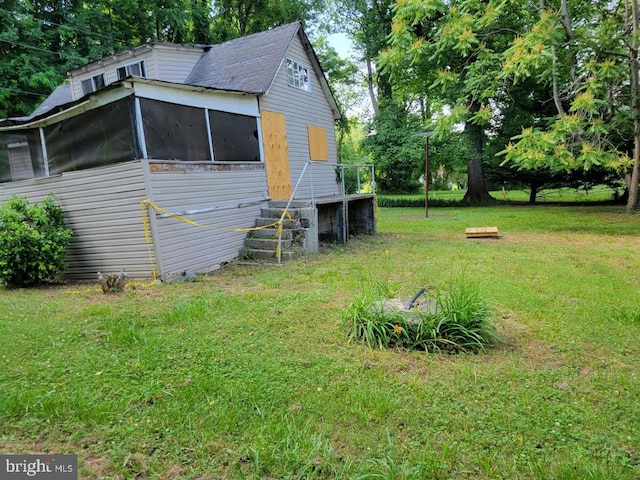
[(225, 136)]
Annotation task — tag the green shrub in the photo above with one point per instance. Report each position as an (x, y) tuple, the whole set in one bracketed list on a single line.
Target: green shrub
[(33, 239), (455, 320)]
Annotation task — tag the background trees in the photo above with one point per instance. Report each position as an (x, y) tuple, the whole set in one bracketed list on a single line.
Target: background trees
[(586, 53), (528, 91), (40, 40)]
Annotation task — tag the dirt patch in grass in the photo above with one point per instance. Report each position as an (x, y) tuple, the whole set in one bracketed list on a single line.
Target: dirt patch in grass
[(91, 466), (518, 338)]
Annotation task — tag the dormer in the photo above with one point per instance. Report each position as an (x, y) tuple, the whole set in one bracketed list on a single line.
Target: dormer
[(156, 60)]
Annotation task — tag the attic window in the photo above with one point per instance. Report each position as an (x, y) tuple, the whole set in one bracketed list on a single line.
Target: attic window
[(136, 69), (94, 83), (298, 75)]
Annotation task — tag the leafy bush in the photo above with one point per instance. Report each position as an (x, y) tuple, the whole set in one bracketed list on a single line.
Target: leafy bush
[(456, 320), (33, 239)]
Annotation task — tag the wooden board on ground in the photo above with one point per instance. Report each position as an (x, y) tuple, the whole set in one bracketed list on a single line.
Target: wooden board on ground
[(480, 232)]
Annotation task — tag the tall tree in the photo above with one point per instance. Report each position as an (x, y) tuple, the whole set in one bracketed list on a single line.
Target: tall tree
[(397, 151), (586, 53), (340, 73), (368, 22), (30, 58), (235, 18), (455, 48)]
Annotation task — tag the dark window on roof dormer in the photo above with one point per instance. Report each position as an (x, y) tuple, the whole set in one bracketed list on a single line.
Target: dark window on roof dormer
[(137, 69), (93, 84)]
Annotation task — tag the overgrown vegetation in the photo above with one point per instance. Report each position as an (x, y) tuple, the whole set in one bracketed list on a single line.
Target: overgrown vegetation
[(452, 320), (33, 239)]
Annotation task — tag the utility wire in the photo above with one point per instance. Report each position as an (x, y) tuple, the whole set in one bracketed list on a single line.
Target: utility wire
[(47, 22), (24, 92), (18, 44)]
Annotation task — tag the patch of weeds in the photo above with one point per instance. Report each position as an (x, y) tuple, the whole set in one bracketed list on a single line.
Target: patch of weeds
[(245, 255), (455, 320), (626, 316), (123, 331), (194, 308)]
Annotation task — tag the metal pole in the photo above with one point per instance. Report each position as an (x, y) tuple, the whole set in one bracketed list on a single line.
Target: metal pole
[(426, 177)]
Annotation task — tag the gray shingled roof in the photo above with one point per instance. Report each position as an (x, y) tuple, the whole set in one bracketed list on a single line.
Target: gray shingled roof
[(60, 96), (246, 64)]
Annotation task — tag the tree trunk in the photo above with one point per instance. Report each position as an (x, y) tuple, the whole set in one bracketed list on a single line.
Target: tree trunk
[(632, 203), (477, 193), (533, 193), (372, 93)]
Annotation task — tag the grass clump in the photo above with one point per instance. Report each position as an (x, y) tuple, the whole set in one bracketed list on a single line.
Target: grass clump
[(453, 320)]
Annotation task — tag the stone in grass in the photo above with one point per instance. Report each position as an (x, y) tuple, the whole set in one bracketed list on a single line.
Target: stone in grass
[(423, 305), (189, 275), (112, 283)]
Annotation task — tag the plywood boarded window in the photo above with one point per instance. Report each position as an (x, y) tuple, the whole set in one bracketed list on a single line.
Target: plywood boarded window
[(317, 143), (276, 154)]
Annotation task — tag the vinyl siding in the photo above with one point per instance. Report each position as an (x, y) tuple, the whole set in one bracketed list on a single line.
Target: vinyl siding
[(162, 62), (102, 207), (174, 65), (222, 197), (302, 109)]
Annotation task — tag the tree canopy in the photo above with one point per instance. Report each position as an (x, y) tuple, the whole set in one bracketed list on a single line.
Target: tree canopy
[(40, 40), (483, 64), (539, 90)]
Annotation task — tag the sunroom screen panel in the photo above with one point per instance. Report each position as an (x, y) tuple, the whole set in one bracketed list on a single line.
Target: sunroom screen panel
[(174, 132)]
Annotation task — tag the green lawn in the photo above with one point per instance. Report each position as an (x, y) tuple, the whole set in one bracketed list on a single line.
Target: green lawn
[(248, 374)]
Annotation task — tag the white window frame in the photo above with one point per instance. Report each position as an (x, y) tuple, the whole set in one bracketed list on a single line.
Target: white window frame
[(298, 75), (93, 83), (128, 67)]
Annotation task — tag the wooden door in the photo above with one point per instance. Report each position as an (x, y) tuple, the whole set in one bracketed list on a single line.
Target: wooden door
[(276, 155)]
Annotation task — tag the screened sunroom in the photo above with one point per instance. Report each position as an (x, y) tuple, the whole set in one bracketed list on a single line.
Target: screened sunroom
[(133, 120)]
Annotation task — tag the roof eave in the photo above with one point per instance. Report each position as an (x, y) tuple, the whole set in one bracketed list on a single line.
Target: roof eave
[(45, 118), (324, 84)]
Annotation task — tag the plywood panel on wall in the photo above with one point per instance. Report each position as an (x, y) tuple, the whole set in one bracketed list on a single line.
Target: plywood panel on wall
[(318, 150), (276, 155)]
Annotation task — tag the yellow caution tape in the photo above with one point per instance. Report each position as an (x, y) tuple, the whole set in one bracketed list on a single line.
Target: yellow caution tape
[(279, 225), (147, 237), (210, 227)]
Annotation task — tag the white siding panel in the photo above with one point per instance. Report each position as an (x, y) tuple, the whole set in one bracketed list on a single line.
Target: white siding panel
[(102, 207), (175, 65), (223, 200), (227, 102), (171, 63), (302, 109)]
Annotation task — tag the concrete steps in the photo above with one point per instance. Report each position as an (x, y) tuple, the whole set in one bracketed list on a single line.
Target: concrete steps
[(262, 245)]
